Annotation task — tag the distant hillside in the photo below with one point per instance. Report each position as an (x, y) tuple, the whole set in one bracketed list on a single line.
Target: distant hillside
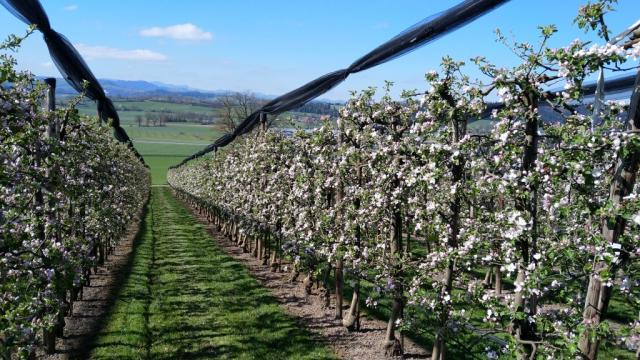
[(140, 89), (127, 91), (143, 89)]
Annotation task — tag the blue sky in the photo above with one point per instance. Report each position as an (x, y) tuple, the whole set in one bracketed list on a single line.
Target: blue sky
[(275, 46)]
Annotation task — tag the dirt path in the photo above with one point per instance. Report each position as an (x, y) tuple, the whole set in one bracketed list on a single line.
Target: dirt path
[(366, 344)]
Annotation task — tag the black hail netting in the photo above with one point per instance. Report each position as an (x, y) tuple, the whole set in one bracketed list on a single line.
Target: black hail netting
[(414, 37), (612, 86), (70, 64), (620, 87)]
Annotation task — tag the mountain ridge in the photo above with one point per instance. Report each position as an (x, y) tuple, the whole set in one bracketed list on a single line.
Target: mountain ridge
[(137, 89)]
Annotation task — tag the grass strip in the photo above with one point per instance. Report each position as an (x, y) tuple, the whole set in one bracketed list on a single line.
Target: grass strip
[(184, 298)]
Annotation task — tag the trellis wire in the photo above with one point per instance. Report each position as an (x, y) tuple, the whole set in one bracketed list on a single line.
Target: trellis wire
[(411, 39)]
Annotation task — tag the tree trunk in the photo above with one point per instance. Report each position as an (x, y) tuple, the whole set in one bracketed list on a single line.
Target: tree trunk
[(265, 249), (392, 345), (256, 246), (457, 174), (522, 329), (275, 266), (101, 252), (308, 285), (598, 295), (407, 248), (49, 341), (351, 322), (439, 344), (259, 246), (326, 292), (488, 278)]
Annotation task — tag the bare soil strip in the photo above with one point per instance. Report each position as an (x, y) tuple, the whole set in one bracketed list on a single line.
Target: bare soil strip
[(366, 344)]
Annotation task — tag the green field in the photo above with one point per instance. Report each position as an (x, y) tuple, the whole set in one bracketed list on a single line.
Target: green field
[(162, 146), (183, 298), (150, 105), (174, 132), (128, 110)]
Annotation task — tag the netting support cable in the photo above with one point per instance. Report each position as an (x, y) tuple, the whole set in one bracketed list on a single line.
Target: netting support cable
[(409, 40), (70, 64)]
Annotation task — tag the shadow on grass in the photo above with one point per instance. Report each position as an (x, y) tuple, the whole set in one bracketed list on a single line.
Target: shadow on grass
[(113, 293), (185, 299)]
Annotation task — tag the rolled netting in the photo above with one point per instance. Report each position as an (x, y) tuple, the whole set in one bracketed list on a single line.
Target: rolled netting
[(70, 64), (409, 40)]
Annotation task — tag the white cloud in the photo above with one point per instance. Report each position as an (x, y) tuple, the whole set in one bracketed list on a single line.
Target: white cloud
[(178, 32), (71, 7), (104, 52)]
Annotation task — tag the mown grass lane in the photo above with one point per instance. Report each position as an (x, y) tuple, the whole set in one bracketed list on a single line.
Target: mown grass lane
[(184, 298)]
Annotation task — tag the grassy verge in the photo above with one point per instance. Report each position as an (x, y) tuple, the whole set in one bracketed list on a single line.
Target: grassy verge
[(159, 165), (184, 298)]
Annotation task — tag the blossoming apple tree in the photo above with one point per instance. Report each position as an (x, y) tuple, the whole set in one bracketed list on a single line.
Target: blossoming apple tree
[(67, 194), (512, 243)]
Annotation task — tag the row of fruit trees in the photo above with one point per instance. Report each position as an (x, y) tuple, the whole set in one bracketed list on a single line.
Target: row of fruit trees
[(520, 242), (68, 192)]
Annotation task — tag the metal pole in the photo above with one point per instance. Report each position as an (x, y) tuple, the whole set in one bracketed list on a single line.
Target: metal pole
[(51, 106)]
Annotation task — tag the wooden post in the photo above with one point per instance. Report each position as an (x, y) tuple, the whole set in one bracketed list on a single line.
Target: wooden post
[(339, 281), (393, 346), (52, 131), (459, 126), (50, 100), (521, 328), (51, 93), (339, 197), (598, 294), (263, 122)]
